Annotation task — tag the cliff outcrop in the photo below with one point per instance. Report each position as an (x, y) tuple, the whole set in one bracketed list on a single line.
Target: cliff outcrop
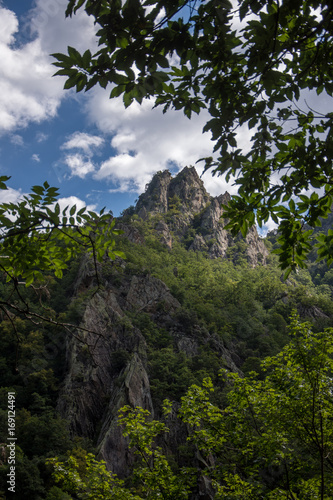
[(181, 208), (107, 361)]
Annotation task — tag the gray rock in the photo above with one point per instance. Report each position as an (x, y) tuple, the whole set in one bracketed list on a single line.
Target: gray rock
[(184, 204)]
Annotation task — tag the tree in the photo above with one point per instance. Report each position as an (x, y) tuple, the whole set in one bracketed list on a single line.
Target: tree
[(252, 66), (271, 439), (38, 238), (89, 480), (274, 437), (153, 476)]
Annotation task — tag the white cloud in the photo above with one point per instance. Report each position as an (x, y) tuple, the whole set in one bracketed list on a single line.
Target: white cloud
[(28, 93), (216, 185), (41, 137), (87, 142), (124, 142), (8, 26), (124, 170), (80, 166), (35, 157), (47, 22), (10, 195), (73, 200), (146, 141), (17, 140), (269, 226)]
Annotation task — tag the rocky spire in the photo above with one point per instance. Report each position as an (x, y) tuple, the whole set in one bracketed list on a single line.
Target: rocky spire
[(182, 208)]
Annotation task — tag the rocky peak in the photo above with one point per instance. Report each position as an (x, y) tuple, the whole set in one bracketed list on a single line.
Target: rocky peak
[(188, 190), (155, 199), (183, 209), (185, 191)]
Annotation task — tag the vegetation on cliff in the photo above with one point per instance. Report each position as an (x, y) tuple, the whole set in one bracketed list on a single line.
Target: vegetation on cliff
[(272, 438), (197, 325)]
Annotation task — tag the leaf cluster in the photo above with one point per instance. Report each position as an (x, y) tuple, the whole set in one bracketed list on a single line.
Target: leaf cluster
[(37, 236)]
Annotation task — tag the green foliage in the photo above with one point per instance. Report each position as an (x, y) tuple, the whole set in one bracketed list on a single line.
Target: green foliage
[(56, 493), (153, 472), (156, 337), (274, 437), (248, 307), (88, 481), (170, 374), (255, 77), (38, 237), (39, 240), (223, 304)]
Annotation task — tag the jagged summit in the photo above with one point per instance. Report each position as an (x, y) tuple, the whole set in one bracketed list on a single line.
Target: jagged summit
[(180, 207), (186, 188)]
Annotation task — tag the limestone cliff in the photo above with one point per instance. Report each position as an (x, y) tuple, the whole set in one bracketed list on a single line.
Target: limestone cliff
[(163, 191)]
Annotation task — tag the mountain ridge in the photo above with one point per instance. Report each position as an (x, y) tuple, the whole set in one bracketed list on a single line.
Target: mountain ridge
[(181, 208)]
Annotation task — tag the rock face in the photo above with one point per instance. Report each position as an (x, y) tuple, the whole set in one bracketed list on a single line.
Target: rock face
[(163, 191), (107, 362), (145, 292), (107, 347), (183, 209)]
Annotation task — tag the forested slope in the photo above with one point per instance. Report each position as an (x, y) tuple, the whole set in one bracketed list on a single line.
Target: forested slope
[(188, 302)]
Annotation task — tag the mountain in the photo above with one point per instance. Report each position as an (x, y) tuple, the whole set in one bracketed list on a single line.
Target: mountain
[(110, 365), (187, 302), (116, 367), (181, 208), (142, 344)]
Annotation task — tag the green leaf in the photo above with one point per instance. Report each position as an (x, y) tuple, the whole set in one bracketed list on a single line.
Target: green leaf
[(3, 180), (72, 210), (117, 91), (72, 81), (74, 55)]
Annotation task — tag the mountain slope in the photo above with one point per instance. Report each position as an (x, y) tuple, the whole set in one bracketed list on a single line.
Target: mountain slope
[(175, 311)]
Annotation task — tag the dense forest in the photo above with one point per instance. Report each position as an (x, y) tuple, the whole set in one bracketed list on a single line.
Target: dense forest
[(218, 369)]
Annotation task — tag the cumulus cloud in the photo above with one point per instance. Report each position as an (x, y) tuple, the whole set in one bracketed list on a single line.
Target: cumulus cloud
[(8, 26), (10, 195), (145, 141), (79, 165), (87, 142), (24, 71), (74, 200), (142, 139), (48, 23), (28, 93)]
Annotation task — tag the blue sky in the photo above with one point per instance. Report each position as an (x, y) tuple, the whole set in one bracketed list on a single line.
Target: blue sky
[(95, 151)]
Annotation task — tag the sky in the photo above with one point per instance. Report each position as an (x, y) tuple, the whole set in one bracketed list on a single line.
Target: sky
[(94, 150)]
